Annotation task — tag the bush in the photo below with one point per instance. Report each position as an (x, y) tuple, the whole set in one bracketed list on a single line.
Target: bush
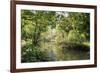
[(31, 53), (76, 37)]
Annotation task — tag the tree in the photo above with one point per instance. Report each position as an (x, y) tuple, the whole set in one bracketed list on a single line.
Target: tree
[(61, 27)]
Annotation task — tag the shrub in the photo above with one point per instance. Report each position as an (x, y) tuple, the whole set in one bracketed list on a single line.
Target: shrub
[(31, 53), (76, 37)]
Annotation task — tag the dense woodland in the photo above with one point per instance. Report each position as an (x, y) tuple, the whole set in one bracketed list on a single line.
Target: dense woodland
[(54, 36)]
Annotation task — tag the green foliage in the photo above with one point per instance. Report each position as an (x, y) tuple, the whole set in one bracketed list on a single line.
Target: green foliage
[(34, 54), (54, 33), (76, 37), (80, 22)]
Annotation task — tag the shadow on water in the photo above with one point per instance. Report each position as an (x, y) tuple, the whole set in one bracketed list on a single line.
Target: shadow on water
[(75, 51)]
